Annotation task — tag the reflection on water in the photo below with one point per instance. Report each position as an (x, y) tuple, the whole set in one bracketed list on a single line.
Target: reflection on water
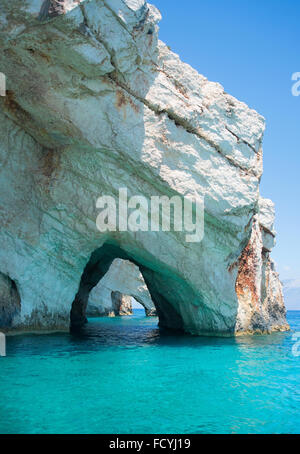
[(139, 330)]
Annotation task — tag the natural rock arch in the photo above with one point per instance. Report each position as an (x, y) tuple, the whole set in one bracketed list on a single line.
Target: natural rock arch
[(125, 278), (157, 280), (127, 113)]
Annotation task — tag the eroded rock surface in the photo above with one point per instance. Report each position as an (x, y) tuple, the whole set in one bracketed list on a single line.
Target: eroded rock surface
[(95, 102)]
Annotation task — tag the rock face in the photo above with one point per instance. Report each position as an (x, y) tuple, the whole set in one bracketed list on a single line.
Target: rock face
[(123, 277), (257, 282), (94, 103), (121, 304)]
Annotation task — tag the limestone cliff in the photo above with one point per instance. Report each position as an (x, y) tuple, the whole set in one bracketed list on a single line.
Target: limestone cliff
[(94, 103), (123, 277), (122, 304)]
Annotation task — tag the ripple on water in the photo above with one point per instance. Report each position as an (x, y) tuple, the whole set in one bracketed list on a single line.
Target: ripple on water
[(124, 375)]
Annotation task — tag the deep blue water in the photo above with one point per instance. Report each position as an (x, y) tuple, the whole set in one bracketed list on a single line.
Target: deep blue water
[(124, 376)]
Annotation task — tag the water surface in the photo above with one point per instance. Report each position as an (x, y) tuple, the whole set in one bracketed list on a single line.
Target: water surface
[(124, 376)]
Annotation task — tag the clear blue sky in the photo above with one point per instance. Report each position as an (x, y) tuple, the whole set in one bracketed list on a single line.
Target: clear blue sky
[(252, 48)]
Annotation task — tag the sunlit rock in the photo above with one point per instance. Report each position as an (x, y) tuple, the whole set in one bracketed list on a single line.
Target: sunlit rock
[(10, 303)]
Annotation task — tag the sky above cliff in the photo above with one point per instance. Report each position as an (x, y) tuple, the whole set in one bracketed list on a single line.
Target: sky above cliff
[(252, 48)]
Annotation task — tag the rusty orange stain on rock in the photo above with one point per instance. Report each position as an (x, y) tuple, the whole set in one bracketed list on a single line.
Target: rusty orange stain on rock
[(9, 101), (50, 162), (247, 274), (121, 99)]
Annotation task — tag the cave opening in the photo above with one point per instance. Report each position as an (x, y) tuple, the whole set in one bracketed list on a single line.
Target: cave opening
[(98, 266), (119, 292), (10, 301), (138, 307)]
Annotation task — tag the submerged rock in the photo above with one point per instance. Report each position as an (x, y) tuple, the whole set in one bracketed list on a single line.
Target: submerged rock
[(94, 103)]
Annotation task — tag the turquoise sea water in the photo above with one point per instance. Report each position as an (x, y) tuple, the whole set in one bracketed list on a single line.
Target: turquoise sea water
[(124, 376)]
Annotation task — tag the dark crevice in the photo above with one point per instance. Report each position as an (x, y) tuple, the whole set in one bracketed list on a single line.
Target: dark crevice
[(239, 139)]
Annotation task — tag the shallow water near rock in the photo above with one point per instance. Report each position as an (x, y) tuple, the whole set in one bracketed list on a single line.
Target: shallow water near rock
[(123, 375)]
